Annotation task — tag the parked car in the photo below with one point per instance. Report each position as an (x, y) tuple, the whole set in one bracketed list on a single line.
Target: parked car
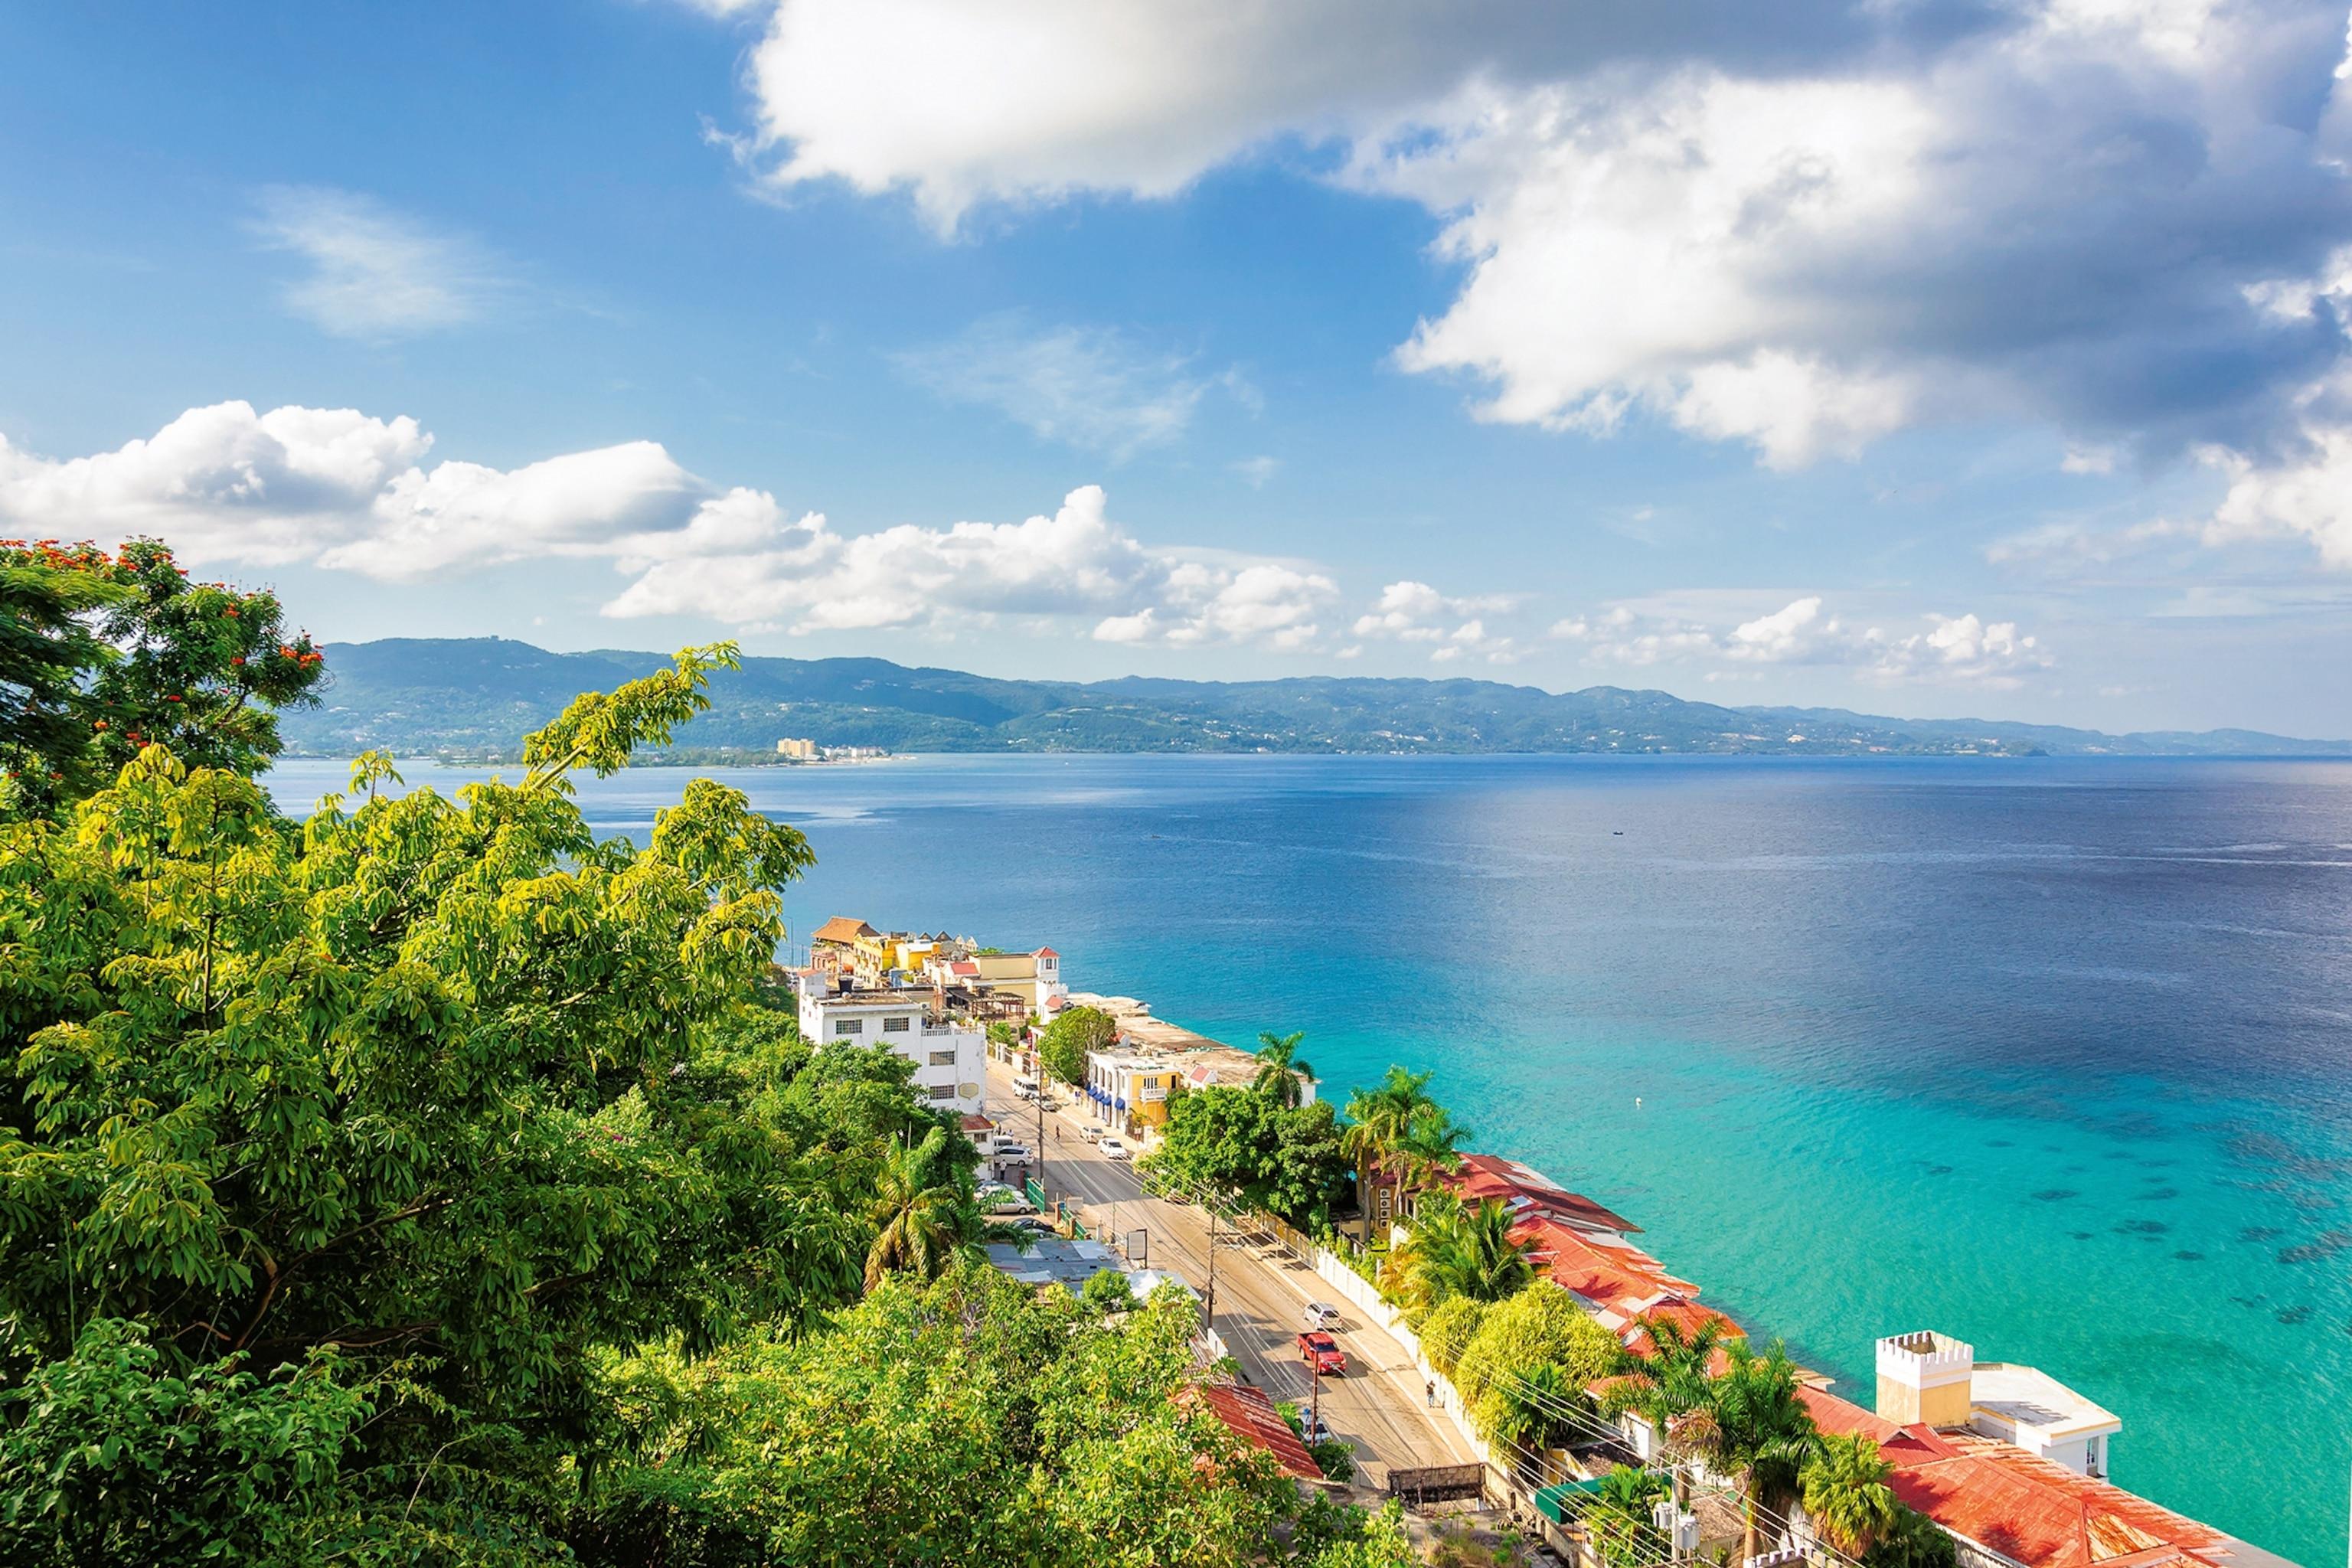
[(1322, 1353), (1319, 1315), (1012, 1150), (1115, 1150), (1313, 1428), (1091, 1134)]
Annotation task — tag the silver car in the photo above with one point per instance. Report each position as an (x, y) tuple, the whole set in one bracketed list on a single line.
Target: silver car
[(1319, 1315)]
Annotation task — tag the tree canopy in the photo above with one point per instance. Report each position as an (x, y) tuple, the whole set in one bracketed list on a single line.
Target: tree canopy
[(1075, 1031), (103, 653), (422, 1183)]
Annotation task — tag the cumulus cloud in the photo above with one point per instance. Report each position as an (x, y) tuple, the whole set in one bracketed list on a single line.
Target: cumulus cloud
[(373, 272), (1953, 650), (1453, 627), (344, 490), (2307, 496), (1798, 227), (1089, 387)]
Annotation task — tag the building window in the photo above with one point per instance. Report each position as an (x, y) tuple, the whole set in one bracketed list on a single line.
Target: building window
[(894, 1026), (849, 1026), (943, 1059), (941, 1091)]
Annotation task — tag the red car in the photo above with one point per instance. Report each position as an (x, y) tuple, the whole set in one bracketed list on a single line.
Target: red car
[(1322, 1353)]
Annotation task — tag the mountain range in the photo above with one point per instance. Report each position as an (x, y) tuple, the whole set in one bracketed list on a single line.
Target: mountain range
[(473, 699)]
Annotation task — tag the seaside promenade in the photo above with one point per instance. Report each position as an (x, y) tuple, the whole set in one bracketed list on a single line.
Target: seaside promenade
[(1379, 1407)]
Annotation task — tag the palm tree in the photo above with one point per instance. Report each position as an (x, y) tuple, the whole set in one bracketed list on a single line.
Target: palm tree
[(1431, 1144), (1280, 1067), (1377, 1118), (1619, 1520), (927, 1213), (1846, 1492), (1763, 1431), (1380, 1132), (1458, 1251)]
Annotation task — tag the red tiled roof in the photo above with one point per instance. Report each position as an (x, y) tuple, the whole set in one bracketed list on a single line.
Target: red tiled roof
[(963, 966), (1250, 1415), (2029, 1510), (1614, 1277), (1488, 1176), (975, 1122), (1045, 952)]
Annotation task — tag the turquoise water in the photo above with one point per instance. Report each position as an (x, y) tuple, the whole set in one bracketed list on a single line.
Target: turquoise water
[(2055, 1056)]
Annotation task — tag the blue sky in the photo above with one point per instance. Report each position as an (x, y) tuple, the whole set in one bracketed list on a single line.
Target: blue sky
[(1935, 358)]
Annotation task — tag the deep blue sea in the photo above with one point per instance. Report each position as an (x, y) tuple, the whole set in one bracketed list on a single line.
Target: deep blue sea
[(2052, 1056)]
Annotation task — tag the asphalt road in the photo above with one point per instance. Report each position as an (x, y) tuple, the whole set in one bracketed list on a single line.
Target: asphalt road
[(1260, 1291)]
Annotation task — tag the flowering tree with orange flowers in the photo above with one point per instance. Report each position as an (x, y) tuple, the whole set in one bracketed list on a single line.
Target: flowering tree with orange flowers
[(104, 653)]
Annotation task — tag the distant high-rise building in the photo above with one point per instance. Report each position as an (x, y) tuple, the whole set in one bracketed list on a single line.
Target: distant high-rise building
[(798, 750)]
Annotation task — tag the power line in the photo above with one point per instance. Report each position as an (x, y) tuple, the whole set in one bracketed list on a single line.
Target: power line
[(1543, 1401)]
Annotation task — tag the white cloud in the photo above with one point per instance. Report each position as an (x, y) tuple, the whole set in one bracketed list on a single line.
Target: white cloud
[(342, 490), (373, 272), (2306, 495), (1451, 625), (1089, 387), (1794, 634), (1949, 649), (1822, 223), (1257, 471)]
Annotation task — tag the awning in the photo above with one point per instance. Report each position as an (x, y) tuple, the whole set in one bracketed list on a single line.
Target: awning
[(1563, 1501)]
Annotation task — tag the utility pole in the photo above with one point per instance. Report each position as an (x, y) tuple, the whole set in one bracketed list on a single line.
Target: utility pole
[(1315, 1399), (1208, 1309)]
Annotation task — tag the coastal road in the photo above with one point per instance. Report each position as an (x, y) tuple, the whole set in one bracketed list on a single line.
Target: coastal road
[(1379, 1406)]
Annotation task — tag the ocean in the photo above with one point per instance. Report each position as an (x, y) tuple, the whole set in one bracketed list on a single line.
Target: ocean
[(2052, 1055)]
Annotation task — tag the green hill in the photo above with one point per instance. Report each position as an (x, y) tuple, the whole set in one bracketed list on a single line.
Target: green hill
[(476, 698)]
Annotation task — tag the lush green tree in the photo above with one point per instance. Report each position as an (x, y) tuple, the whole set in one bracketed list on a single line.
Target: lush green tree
[(1447, 1330), (1244, 1144), (1751, 1423), (1844, 1484), (1457, 1250), (1218, 1140), (1377, 1120), (1280, 1067), (1912, 1541), (1073, 1033), (1309, 1171), (926, 1214), (417, 1082), (107, 1457), (1620, 1519), (48, 643), (102, 653), (972, 1421), (1540, 1327)]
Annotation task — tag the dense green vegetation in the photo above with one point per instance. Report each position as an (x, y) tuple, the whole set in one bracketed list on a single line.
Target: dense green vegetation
[(423, 1182), (477, 697), (1063, 1044), (102, 653)]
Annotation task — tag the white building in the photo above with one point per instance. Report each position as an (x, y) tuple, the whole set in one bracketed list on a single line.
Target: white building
[(950, 1058), (1936, 1379)]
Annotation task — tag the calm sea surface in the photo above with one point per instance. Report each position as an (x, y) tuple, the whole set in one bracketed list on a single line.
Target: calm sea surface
[(2055, 1056)]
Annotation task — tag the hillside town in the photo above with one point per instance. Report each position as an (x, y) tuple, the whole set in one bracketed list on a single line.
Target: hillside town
[(2002, 1465)]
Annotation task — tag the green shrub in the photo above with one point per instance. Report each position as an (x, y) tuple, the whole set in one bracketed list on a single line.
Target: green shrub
[(1541, 1327), (1448, 1331)]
